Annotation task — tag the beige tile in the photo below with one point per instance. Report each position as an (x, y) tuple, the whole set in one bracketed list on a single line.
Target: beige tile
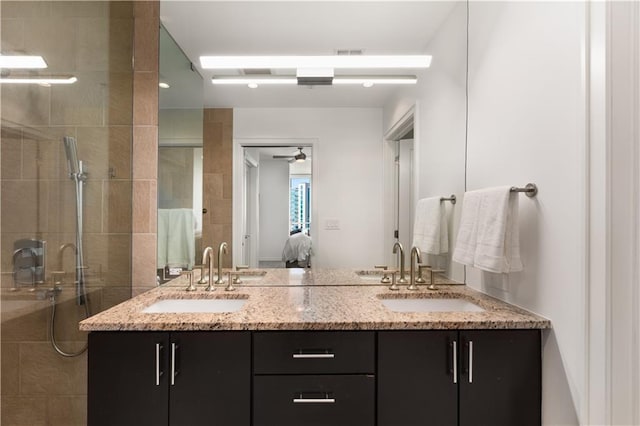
[(9, 375), (145, 152), (93, 150), (146, 45), (44, 372), (142, 207), (137, 291), (221, 212), (25, 9), (11, 153), (121, 9), (117, 206), (213, 186), (219, 115), (121, 44), (120, 98), (25, 104), (12, 33), (120, 149), (67, 411), (55, 39), (146, 9), (92, 51), (27, 411), (84, 9), (227, 186), (81, 103), (31, 326), (144, 260), (109, 255), (145, 98), (24, 206), (112, 296)]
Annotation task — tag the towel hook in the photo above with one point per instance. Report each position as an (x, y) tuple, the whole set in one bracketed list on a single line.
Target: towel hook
[(530, 190), (452, 198)]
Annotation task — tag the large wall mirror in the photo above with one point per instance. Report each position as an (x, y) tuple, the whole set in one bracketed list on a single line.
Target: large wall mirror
[(373, 151)]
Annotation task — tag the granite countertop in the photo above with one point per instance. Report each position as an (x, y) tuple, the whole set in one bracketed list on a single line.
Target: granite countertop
[(296, 299)]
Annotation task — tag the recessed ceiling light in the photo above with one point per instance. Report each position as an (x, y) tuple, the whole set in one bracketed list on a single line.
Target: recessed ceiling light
[(22, 61), (367, 84), (327, 61), (164, 85), (39, 80), (253, 85)]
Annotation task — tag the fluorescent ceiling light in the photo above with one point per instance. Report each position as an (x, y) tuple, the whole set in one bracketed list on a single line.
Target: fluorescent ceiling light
[(22, 62), (368, 81), (258, 80), (69, 80), (332, 61)]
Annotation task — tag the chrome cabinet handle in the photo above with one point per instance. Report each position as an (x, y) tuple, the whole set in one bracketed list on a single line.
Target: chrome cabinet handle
[(455, 362), (314, 400), (470, 361), (173, 363), (158, 372), (316, 355)]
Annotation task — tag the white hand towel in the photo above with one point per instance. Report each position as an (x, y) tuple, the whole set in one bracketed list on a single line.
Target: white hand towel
[(181, 238), (488, 237), (430, 231), (163, 236)]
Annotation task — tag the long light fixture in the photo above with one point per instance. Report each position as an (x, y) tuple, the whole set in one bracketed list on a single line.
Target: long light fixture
[(364, 80), (22, 62), (39, 80), (327, 61)]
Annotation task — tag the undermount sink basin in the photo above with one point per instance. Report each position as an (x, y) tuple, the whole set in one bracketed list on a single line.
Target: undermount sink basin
[(430, 305), (195, 306)]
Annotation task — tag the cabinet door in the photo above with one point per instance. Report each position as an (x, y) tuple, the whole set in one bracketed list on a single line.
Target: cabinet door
[(416, 378), (501, 378), (127, 379), (212, 378)]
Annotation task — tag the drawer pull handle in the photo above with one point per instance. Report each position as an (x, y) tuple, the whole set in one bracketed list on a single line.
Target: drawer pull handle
[(470, 361), (313, 356), (314, 400), (455, 362), (302, 400)]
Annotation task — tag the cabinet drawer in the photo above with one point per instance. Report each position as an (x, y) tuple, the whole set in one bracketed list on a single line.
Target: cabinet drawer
[(322, 352), (340, 400)]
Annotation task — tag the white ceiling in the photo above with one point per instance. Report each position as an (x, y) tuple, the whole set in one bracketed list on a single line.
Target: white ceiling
[(302, 28)]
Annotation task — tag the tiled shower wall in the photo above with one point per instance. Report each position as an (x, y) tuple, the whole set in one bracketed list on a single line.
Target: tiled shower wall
[(110, 110)]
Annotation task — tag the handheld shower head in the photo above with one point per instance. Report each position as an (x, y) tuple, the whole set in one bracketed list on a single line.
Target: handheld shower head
[(71, 151)]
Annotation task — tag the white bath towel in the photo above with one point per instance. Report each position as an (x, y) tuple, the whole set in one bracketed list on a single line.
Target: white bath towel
[(488, 236), (163, 232), (430, 231)]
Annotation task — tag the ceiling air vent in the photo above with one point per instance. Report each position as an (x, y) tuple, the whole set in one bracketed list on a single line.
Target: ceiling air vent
[(257, 71), (349, 52)]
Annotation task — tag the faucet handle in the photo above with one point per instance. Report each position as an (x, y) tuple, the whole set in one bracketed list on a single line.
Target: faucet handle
[(191, 286), (241, 267), (385, 277), (230, 282), (394, 284)]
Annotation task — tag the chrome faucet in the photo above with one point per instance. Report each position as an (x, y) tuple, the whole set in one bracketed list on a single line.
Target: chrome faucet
[(61, 250), (221, 249), (415, 254), (206, 254), (207, 260), (396, 246)]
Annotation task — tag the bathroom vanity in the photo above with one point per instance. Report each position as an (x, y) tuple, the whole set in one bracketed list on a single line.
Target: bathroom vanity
[(314, 355)]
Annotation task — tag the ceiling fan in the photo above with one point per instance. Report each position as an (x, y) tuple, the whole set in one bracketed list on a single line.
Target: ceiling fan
[(296, 157)]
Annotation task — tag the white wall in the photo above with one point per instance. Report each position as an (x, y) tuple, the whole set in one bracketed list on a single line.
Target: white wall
[(527, 124), (347, 173), (274, 208), (440, 122)]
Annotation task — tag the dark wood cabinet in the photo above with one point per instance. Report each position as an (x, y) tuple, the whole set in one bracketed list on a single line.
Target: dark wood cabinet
[(309, 378), (481, 377), (416, 384), (179, 378)]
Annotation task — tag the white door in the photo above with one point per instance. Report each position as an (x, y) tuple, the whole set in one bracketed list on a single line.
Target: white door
[(250, 215), (405, 194)]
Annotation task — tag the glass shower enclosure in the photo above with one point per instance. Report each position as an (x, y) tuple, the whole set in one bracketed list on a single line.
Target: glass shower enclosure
[(65, 176)]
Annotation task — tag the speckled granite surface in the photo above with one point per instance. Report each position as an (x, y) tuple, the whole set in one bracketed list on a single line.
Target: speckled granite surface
[(295, 299)]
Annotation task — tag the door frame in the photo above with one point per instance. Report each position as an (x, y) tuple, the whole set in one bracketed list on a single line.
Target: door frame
[(238, 184)]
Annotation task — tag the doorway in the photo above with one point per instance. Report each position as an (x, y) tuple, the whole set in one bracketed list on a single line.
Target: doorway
[(275, 194)]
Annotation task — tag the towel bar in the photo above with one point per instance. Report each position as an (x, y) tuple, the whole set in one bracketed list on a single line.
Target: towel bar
[(452, 198), (530, 190)]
